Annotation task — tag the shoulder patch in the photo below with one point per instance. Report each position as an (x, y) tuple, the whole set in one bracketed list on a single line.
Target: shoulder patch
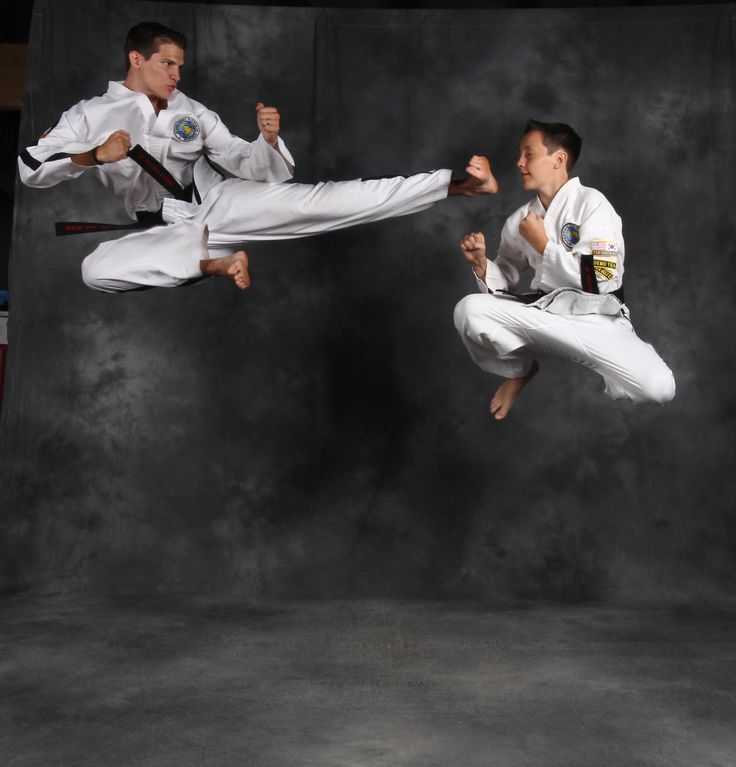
[(605, 257), (604, 246), (570, 235)]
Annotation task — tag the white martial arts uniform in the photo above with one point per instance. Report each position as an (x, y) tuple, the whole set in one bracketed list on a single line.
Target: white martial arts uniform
[(254, 205), (503, 335)]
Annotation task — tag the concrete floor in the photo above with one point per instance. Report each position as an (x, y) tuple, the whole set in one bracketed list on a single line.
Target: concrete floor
[(103, 682)]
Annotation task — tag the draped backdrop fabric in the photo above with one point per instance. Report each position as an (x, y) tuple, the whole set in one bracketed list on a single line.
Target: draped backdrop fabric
[(325, 433)]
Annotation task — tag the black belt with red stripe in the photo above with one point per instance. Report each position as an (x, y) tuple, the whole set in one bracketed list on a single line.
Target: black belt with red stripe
[(157, 171), (145, 219)]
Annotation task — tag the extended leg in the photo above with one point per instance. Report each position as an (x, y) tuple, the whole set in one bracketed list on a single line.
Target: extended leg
[(237, 211), (240, 211)]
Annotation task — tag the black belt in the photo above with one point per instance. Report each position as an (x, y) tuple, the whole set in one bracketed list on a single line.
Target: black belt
[(157, 171), (145, 219)]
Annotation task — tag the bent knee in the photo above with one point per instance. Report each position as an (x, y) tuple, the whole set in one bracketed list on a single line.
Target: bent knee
[(659, 387), (467, 312), (96, 278), (90, 273)]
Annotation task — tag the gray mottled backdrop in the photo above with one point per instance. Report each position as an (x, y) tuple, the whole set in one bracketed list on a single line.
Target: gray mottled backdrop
[(325, 433)]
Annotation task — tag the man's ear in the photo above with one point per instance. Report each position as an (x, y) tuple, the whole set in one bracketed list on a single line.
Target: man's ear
[(134, 59)]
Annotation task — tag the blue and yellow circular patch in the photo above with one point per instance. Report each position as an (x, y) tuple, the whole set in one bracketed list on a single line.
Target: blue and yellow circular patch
[(186, 129), (570, 235)]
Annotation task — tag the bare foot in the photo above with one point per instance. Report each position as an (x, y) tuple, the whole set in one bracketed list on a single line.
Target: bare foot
[(480, 179), (505, 397), (235, 266)]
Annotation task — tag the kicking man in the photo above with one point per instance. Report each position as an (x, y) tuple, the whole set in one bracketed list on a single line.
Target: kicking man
[(167, 156)]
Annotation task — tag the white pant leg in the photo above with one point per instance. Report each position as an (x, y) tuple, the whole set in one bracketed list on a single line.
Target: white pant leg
[(162, 257), (239, 211), (503, 335)]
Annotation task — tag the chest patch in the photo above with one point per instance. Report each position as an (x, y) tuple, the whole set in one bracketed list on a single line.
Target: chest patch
[(186, 129), (570, 235)]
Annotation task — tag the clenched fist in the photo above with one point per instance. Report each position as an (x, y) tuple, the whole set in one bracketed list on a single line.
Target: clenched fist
[(473, 247), (269, 123), (532, 230), (114, 148)]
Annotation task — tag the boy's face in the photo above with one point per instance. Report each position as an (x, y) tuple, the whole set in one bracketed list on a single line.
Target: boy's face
[(538, 167), (159, 74)]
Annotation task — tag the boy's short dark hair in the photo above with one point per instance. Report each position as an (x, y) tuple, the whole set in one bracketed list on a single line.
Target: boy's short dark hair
[(146, 38), (558, 136)]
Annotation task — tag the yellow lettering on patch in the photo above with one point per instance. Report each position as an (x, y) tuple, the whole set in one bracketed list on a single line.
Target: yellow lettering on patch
[(603, 263)]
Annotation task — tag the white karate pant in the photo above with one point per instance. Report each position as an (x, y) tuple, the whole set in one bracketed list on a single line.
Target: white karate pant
[(503, 337), (238, 211)]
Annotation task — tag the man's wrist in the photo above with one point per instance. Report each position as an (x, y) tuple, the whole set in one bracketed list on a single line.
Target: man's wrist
[(94, 156), (481, 269)]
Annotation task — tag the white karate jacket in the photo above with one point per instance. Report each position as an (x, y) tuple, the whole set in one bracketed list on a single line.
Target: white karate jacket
[(180, 137), (580, 220)]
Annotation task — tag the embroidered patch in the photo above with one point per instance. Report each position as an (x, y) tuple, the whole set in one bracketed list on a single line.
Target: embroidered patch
[(603, 246), (570, 235), (604, 267), (186, 129), (605, 253)]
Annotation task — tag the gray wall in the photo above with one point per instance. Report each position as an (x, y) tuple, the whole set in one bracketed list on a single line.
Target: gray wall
[(325, 432)]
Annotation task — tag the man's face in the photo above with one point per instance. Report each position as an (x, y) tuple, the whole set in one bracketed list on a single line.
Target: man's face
[(159, 74), (537, 167)]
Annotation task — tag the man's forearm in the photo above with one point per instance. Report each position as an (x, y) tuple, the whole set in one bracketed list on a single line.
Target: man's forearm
[(87, 159)]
